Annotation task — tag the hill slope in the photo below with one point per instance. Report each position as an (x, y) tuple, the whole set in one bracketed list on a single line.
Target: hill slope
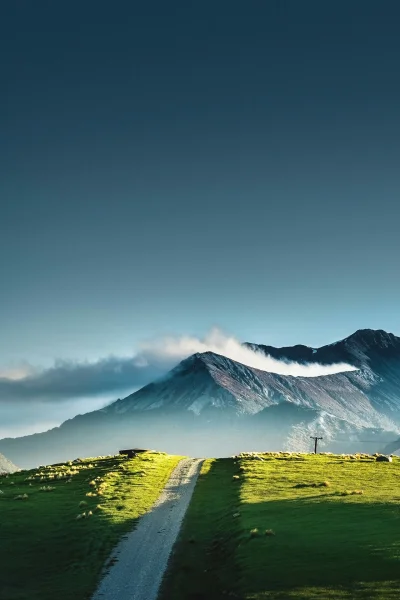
[(210, 405), (58, 554), (290, 528)]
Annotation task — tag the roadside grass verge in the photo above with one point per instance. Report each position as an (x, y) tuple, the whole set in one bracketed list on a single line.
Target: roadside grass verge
[(57, 536), (304, 531), (203, 559)]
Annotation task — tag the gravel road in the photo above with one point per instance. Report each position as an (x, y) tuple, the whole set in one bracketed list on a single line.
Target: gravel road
[(143, 554)]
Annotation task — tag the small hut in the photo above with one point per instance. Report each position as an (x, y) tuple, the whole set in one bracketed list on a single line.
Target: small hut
[(132, 452)]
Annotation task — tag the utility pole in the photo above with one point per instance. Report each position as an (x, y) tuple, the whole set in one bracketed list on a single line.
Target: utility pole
[(315, 442)]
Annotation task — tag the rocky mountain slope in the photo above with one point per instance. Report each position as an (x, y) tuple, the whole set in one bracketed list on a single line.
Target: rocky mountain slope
[(212, 405)]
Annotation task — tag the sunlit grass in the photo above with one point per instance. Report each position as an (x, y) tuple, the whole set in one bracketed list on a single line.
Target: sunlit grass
[(53, 545), (310, 527), (330, 539)]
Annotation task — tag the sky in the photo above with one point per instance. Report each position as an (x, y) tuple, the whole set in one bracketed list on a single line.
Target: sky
[(167, 168)]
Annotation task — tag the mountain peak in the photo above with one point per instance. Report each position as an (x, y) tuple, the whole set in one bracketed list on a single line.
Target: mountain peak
[(195, 361), (211, 401), (374, 337)]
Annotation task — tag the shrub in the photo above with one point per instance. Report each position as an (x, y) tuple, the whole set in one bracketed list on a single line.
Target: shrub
[(269, 532), (313, 485), (254, 532)]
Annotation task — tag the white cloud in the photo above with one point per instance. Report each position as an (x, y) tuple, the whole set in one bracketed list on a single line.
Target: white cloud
[(34, 400), (167, 349), (16, 372)]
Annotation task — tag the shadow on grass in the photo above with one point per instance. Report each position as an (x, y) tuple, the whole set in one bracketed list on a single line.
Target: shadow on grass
[(203, 566), (322, 549)]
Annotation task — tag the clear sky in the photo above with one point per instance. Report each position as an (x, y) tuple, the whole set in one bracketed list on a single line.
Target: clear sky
[(170, 166)]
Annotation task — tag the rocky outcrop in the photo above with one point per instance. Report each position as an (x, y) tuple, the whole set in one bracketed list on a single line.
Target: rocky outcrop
[(6, 466)]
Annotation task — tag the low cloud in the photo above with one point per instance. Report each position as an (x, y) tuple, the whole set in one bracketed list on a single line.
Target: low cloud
[(33, 416), (33, 399), (68, 380), (177, 348)]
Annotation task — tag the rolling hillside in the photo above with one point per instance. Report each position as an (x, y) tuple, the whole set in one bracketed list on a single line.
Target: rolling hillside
[(290, 527), (274, 526), (59, 523)]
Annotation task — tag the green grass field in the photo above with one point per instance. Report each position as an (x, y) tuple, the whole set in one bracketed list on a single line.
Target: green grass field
[(54, 542), (309, 527), (285, 527)]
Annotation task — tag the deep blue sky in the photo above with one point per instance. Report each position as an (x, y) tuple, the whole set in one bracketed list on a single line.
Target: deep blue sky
[(169, 166)]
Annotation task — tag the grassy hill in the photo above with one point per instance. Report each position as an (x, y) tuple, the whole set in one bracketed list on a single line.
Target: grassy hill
[(290, 527), (272, 527), (59, 523)]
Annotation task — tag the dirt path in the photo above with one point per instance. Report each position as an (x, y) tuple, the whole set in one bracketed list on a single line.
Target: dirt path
[(142, 556)]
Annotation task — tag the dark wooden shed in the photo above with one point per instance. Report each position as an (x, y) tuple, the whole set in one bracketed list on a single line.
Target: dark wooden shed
[(131, 452)]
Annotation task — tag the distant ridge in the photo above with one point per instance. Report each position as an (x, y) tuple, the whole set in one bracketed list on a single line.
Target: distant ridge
[(210, 405), (352, 349)]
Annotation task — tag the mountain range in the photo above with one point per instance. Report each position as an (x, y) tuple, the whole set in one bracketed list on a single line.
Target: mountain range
[(210, 405)]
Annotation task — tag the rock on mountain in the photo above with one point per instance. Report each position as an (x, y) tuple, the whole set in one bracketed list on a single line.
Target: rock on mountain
[(212, 405), (6, 466)]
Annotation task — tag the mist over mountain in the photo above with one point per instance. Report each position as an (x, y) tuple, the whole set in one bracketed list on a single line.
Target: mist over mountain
[(33, 399), (212, 405)]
